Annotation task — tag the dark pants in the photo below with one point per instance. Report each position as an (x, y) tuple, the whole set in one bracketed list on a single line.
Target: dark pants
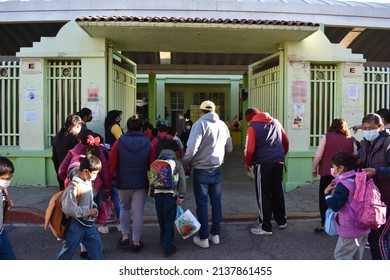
[(166, 214), (269, 194), (324, 182), (379, 241)]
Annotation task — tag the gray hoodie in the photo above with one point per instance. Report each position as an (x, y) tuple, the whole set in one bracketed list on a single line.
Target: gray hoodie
[(207, 143)]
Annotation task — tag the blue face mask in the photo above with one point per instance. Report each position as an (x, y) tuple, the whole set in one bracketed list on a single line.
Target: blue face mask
[(371, 135)]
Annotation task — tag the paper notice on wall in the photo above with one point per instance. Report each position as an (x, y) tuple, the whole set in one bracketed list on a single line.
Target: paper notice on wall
[(299, 92), (31, 95), (95, 111), (353, 92), (30, 116), (299, 110)]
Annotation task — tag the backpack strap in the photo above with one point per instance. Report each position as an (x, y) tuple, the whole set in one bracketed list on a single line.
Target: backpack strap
[(78, 188)]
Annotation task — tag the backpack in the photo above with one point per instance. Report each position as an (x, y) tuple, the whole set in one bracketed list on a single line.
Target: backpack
[(163, 174), (369, 211), (54, 215)]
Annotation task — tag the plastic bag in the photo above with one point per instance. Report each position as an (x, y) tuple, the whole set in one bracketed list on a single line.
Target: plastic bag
[(330, 224), (106, 212), (186, 223)]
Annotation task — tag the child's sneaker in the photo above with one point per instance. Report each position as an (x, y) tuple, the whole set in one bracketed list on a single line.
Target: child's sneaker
[(214, 239), (137, 246), (204, 243), (119, 228), (103, 229)]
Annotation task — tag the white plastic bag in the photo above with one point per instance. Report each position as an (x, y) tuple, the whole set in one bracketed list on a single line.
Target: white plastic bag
[(186, 223)]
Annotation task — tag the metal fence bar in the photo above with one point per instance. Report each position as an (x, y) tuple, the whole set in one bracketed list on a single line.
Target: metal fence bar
[(376, 89), (9, 103)]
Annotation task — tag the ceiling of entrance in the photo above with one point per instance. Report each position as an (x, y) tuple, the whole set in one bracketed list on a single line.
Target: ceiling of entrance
[(225, 47)]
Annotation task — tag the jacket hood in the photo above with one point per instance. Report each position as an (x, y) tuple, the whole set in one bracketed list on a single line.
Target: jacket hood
[(262, 117), (169, 153), (211, 116)]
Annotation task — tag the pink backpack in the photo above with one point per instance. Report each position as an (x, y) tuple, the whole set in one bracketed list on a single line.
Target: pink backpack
[(368, 208)]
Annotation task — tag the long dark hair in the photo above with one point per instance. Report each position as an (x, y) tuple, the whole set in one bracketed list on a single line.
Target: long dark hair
[(111, 118)]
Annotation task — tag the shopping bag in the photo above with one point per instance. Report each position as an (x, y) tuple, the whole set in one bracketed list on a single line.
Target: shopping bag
[(186, 223), (106, 212), (330, 224)]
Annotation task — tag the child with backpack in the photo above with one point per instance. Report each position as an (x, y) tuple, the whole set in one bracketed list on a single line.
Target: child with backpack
[(352, 234), (6, 172), (82, 215), (168, 186)]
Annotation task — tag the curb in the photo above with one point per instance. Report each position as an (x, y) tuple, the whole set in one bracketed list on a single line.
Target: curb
[(28, 215)]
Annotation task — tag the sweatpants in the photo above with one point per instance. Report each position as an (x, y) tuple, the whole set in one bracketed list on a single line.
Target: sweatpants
[(269, 194)]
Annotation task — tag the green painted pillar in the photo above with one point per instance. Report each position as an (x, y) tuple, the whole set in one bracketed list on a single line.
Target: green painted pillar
[(152, 98), (245, 86)]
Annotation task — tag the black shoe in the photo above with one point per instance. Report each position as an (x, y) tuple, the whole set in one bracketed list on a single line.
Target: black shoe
[(171, 252), (123, 244), (319, 229), (84, 255), (137, 248)]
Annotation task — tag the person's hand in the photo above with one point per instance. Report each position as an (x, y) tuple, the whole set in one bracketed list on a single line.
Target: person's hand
[(314, 173), (330, 188), (187, 166), (180, 199), (370, 172), (93, 212), (355, 128)]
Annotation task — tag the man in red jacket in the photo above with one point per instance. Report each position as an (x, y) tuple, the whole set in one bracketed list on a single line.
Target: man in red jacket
[(265, 149)]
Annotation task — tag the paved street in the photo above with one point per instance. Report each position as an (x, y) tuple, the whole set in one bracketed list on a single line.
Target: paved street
[(297, 242)]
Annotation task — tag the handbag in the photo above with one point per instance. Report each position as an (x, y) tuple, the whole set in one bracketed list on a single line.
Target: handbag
[(186, 223), (330, 224)]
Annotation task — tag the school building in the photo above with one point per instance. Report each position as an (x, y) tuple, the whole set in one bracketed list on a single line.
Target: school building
[(305, 62)]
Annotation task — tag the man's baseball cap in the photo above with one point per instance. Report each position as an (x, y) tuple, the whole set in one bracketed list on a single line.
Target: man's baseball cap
[(207, 105)]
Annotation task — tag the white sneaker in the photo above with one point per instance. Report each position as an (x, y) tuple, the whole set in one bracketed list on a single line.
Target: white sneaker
[(103, 229), (283, 226), (260, 231), (119, 227), (214, 239), (204, 243)]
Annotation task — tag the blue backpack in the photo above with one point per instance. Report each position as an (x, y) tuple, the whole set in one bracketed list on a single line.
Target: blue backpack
[(163, 174)]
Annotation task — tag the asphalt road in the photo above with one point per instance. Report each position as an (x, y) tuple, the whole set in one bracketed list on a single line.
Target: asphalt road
[(297, 242)]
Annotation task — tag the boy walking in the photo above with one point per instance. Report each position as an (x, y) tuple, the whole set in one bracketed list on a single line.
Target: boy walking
[(82, 212), (166, 200), (6, 172)]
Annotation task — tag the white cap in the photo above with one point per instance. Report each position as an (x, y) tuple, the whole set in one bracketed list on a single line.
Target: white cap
[(207, 105)]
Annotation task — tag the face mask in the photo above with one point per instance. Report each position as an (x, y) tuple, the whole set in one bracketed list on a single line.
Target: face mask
[(370, 135), (188, 127), (4, 183), (332, 172)]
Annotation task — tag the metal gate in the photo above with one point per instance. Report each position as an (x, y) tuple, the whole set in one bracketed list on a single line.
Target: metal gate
[(376, 89), (9, 103), (323, 81), (122, 84), (64, 92), (265, 88)]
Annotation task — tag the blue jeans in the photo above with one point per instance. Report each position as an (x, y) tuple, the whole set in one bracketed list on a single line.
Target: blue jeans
[(6, 251), (75, 234), (207, 183)]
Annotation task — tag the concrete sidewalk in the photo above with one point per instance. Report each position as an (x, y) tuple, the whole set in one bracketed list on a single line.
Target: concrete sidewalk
[(238, 198)]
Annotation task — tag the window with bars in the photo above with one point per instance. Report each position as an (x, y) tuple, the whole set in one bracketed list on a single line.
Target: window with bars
[(323, 83), (9, 103), (64, 92), (217, 97)]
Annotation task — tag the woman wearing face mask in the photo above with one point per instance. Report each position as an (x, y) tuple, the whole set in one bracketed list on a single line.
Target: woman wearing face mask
[(6, 172), (336, 140), (375, 160)]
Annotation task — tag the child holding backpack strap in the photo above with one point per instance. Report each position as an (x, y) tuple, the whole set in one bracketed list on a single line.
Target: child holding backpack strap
[(167, 198), (81, 216), (352, 235)]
